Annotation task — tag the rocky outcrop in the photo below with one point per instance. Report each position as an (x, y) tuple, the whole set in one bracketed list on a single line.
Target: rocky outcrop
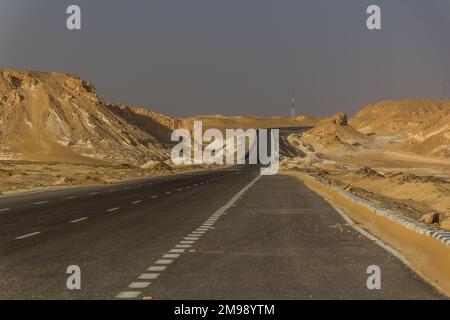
[(430, 218), (339, 119), (59, 117), (368, 172), (334, 133)]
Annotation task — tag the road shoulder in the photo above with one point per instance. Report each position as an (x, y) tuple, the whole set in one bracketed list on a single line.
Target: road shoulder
[(426, 256)]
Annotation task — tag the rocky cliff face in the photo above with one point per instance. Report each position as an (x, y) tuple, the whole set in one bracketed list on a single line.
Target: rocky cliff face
[(59, 117)]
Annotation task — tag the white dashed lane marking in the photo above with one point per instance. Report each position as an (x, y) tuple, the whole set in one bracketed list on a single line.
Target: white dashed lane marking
[(154, 197), (139, 285), (112, 209), (4, 209), (70, 197), (94, 193), (164, 261), (180, 248), (27, 235), (128, 295), (185, 246), (148, 276), (79, 220), (177, 250), (157, 268), (40, 202), (136, 202), (194, 235)]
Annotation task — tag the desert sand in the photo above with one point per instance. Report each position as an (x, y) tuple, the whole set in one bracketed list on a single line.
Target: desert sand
[(392, 153), (27, 176)]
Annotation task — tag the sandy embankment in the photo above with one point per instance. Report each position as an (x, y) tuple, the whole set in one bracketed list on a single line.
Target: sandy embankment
[(25, 176), (427, 256)]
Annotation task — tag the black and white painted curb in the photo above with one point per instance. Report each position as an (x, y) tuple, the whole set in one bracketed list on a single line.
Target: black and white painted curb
[(409, 223)]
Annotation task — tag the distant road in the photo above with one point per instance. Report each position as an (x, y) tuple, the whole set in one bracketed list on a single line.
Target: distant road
[(217, 234)]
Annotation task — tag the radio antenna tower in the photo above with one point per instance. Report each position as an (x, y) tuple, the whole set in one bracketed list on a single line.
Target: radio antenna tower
[(293, 104), (441, 90)]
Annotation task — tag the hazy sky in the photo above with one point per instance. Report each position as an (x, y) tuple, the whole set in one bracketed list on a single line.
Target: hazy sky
[(186, 57)]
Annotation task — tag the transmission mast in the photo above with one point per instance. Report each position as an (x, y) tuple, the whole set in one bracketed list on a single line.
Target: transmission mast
[(293, 104), (441, 90)]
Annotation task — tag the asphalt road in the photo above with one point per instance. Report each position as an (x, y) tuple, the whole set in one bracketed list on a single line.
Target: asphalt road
[(218, 234)]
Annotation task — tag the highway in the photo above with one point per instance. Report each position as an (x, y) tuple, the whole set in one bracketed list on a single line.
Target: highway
[(216, 234)]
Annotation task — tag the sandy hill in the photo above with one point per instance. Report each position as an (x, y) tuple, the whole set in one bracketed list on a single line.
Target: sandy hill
[(244, 122), (399, 116), (433, 140), (59, 117), (334, 132), (424, 125)]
